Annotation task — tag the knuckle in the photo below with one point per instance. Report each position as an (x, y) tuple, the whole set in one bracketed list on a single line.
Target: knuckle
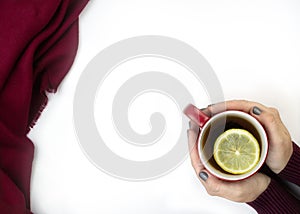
[(274, 111), (270, 118), (194, 164), (244, 102), (251, 198), (240, 200), (210, 192), (213, 190), (240, 195)]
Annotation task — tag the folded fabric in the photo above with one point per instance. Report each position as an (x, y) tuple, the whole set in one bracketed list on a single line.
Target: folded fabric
[(277, 198), (292, 170), (38, 43)]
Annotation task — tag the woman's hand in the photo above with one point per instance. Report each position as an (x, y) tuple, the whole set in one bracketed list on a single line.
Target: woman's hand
[(240, 191), (280, 143)]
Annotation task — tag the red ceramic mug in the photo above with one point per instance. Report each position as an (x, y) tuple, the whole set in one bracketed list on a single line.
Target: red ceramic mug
[(212, 127)]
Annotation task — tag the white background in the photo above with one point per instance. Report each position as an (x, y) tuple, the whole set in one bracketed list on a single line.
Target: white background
[(253, 47)]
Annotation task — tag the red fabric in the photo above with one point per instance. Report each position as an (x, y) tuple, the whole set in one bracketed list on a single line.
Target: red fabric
[(38, 43), (292, 170), (276, 198)]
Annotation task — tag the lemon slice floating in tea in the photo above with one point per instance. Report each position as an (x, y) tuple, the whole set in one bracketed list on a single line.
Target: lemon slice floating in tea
[(236, 151)]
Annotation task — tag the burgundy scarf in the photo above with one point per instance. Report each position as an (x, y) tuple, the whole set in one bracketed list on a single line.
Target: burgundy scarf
[(38, 43)]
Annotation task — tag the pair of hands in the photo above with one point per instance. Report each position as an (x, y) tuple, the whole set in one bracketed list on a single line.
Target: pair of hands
[(280, 151)]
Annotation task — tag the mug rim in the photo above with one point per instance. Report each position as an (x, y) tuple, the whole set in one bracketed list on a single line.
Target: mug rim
[(263, 152)]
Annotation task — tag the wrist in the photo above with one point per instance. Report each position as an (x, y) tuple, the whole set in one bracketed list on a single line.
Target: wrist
[(275, 199), (287, 153), (263, 181), (264, 185), (291, 170)]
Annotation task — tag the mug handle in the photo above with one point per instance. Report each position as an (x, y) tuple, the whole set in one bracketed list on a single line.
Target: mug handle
[(196, 115)]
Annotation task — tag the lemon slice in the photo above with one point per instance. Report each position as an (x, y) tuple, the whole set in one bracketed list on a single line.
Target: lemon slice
[(236, 151)]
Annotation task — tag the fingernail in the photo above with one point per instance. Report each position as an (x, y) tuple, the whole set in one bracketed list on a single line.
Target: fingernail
[(187, 132), (190, 124), (210, 105), (203, 176), (256, 110), (203, 109)]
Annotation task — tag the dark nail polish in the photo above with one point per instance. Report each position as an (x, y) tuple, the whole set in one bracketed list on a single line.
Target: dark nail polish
[(203, 176), (203, 109), (210, 105), (256, 110), (190, 124)]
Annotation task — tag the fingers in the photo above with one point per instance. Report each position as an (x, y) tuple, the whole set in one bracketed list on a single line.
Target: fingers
[(239, 105), (213, 186), (216, 187), (268, 117), (193, 148), (211, 183), (194, 126), (280, 149), (238, 191)]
